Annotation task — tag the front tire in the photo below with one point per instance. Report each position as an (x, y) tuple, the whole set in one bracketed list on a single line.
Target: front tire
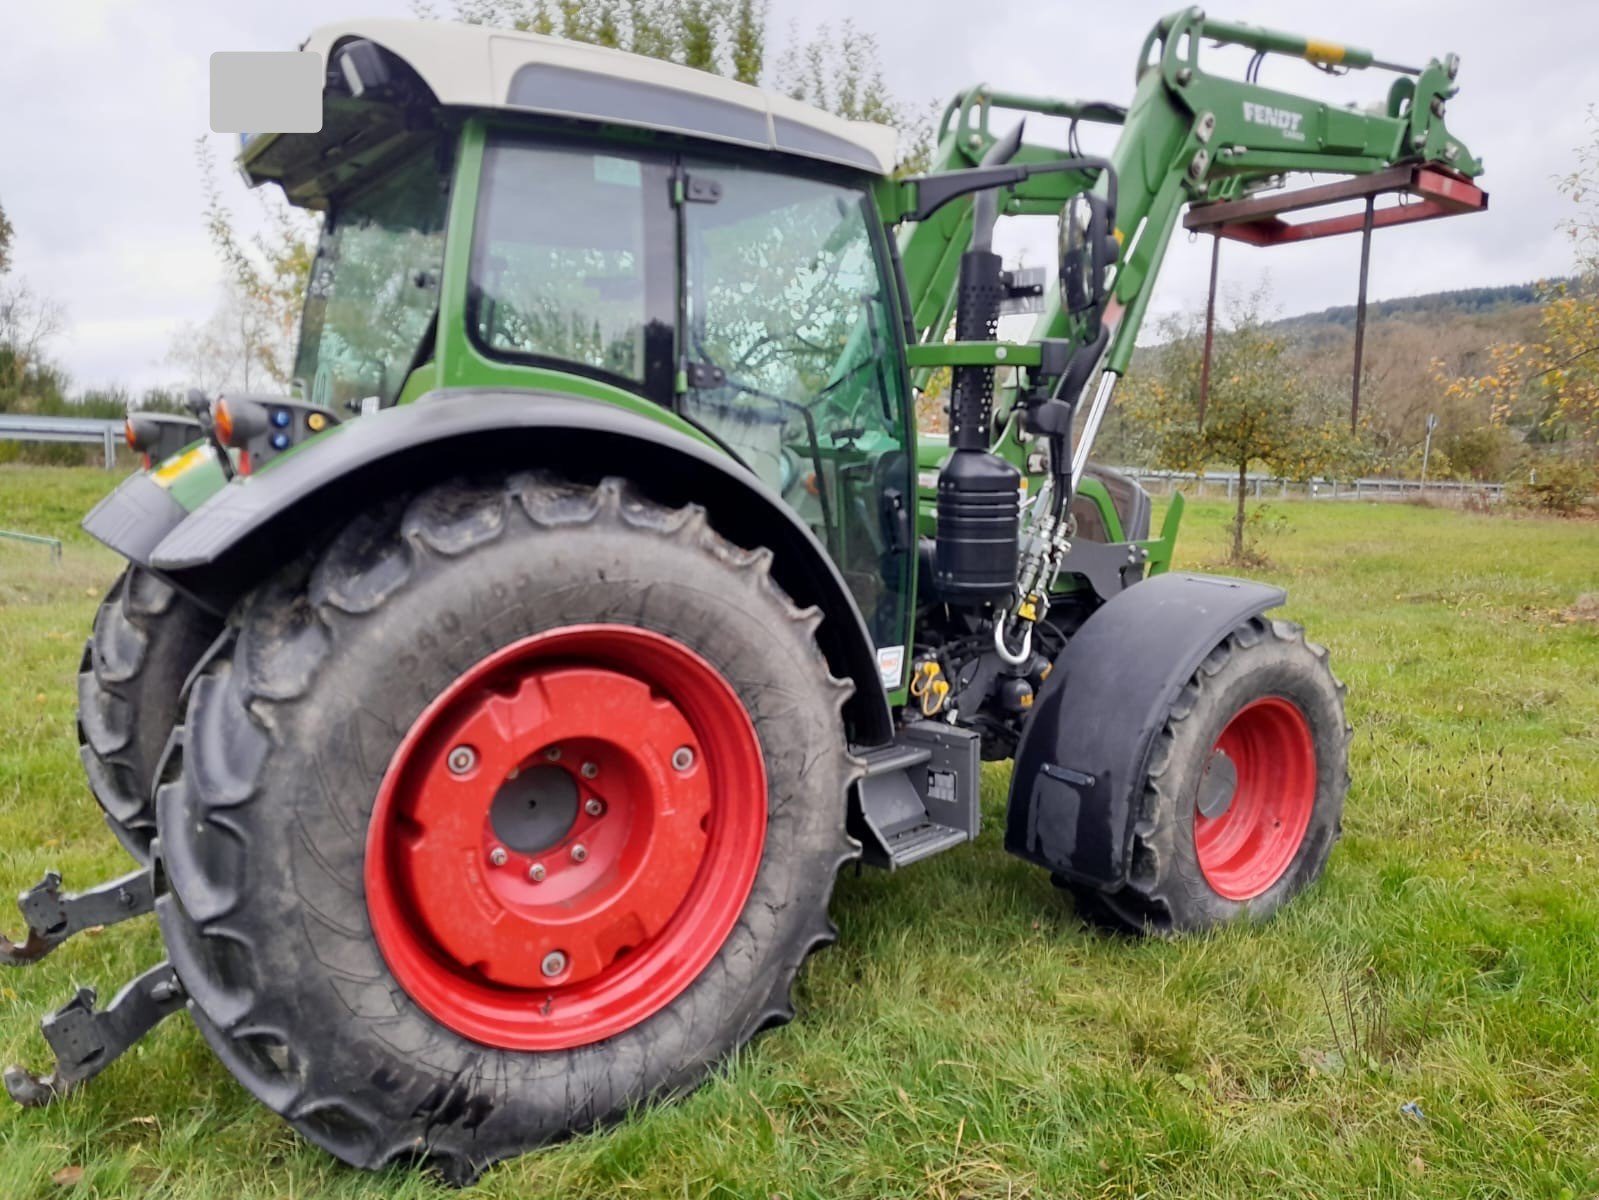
[(1244, 793), (369, 779)]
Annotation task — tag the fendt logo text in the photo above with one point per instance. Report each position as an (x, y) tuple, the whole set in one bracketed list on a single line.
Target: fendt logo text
[(1284, 120)]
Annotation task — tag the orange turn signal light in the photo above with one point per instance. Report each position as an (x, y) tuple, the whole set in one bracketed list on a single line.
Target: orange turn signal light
[(222, 417)]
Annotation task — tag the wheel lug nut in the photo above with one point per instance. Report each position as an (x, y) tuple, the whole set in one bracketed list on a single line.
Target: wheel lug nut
[(536, 873), (590, 770), (554, 963), (553, 754), (498, 857), (579, 852), (682, 758), (461, 760), (594, 807)]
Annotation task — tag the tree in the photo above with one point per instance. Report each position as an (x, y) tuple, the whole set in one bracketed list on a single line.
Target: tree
[(1484, 452), (840, 71), (1261, 410), (250, 339), (1551, 382), (746, 39), (726, 37), (28, 322), (232, 347)]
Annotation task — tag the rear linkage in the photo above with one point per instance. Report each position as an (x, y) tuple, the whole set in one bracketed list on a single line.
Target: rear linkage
[(86, 1041)]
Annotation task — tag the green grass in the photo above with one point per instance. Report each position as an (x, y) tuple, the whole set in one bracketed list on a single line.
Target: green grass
[(969, 1037)]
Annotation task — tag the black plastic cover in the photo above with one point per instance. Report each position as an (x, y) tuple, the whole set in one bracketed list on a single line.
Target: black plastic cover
[(1081, 759), (979, 519), (134, 518)]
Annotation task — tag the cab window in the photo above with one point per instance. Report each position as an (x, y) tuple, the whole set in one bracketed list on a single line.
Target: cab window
[(374, 286), (563, 266)]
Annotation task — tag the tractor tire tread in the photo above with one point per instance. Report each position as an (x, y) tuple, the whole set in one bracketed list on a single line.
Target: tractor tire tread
[(210, 818), (145, 639)]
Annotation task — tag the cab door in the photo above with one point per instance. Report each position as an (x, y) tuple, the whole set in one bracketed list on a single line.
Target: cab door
[(790, 359)]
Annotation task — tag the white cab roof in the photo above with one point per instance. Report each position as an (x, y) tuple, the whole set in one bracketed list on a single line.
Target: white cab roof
[(474, 66)]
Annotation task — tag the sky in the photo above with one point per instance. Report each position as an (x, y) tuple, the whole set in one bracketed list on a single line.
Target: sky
[(101, 102)]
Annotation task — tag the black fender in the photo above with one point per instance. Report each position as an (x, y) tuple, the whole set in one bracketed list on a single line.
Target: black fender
[(135, 517), (248, 529), (1081, 759)]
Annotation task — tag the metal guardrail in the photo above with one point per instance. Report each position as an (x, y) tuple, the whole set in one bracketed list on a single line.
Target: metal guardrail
[(22, 427), (36, 540), (1314, 489), (90, 430)]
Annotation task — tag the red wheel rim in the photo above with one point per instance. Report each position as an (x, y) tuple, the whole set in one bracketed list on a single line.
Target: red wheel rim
[(1245, 849), (566, 837)]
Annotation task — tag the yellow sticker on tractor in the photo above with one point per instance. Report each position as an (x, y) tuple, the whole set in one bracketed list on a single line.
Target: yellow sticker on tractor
[(170, 472)]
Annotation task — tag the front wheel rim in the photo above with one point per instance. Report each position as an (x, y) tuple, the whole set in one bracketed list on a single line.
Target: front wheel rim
[(1247, 847), (566, 837)]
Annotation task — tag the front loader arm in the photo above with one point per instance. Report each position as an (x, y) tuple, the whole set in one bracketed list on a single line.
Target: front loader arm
[(1191, 136), (1188, 136), (930, 250)]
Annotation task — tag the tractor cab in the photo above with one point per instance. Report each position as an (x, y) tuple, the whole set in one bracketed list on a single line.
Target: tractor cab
[(514, 210)]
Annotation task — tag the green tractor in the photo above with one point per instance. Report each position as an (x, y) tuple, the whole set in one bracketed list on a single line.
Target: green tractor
[(491, 717)]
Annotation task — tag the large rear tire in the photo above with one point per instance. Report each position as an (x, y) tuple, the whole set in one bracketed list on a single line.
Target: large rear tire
[(471, 847), (1244, 794), (147, 638)]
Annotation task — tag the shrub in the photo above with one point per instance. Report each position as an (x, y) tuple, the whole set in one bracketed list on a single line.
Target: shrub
[(1560, 486)]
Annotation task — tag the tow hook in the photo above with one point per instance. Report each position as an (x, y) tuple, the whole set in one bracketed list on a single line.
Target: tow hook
[(52, 918)]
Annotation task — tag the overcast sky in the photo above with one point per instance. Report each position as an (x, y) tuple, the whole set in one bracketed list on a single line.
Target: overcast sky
[(101, 100)]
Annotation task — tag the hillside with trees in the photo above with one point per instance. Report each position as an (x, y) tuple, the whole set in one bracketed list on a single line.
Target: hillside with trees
[(1414, 345)]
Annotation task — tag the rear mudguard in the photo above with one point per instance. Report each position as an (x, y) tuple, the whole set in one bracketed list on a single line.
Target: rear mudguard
[(1081, 760), (135, 517), (248, 529)]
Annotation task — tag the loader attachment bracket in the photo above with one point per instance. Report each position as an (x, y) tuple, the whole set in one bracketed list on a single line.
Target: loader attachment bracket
[(87, 1041), (52, 918), (1110, 568)]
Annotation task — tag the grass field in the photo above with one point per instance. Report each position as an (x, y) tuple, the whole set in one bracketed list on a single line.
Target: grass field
[(969, 1037)]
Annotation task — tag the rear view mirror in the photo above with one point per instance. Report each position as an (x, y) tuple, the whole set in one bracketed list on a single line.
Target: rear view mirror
[(1088, 250)]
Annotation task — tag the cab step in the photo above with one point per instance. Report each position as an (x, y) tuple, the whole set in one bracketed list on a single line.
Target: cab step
[(919, 795)]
